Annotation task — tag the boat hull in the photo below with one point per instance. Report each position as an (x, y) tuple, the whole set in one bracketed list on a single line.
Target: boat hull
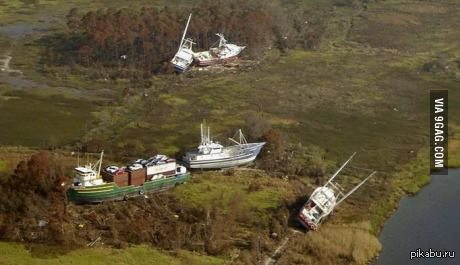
[(246, 156), (112, 192), (179, 69), (308, 224), (216, 61), (182, 60)]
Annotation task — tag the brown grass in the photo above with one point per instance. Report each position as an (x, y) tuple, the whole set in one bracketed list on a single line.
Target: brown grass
[(399, 19), (334, 244), (423, 8)]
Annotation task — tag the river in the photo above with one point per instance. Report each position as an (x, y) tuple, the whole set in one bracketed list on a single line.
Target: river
[(431, 219)]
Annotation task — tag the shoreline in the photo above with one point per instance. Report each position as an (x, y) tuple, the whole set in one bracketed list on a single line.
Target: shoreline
[(411, 193)]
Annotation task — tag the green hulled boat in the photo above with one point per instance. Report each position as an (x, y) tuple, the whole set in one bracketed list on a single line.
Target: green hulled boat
[(157, 174), (112, 192)]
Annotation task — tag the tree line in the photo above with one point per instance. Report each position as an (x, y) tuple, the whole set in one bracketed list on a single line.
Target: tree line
[(146, 39)]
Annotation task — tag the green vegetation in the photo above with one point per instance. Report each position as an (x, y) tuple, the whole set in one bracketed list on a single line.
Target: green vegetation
[(2, 166), (408, 179), (12, 253), (252, 196), (454, 146), (46, 121), (364, 89), (415, 174), (38, 11)]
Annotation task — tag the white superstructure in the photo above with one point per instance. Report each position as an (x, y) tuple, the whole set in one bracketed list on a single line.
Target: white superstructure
[(88, 175), (324, 199), (210, 154), (224, 52), (184, 56)]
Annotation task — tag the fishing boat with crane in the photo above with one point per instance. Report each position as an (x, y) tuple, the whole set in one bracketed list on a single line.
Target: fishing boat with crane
[(223, 53), (211, 154), (184, 56), (93, 185), (325, 199)]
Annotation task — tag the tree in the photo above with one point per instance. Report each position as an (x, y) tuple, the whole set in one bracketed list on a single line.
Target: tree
[(273, 151), (257, 126)]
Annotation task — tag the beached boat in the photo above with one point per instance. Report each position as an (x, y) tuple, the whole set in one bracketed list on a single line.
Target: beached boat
[(224, 52), (210, 154), (145, 175), (324, 199), (184, 56)]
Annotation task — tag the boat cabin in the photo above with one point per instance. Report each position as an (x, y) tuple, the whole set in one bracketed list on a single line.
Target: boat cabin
[(324, 199), (210, 148), (85, 176), (319, 205)]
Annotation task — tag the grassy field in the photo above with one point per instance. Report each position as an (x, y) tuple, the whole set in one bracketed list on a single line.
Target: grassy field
[(32, 120), (256, 206), (365, 89), (2, 165), (11, 253), (51, 12)]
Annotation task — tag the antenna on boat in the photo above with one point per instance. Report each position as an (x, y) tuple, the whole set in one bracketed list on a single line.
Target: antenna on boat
[(241, 138), (340, 169), (222, 40), (78, 158), (185, 32), (100, 164), (355, 188), (201, 127)]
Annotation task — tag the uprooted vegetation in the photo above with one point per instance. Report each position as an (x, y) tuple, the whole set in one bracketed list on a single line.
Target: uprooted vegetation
[(240, 214), (215, 214)]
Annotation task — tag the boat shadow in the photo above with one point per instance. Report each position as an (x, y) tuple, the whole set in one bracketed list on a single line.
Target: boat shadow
[(294, 208)]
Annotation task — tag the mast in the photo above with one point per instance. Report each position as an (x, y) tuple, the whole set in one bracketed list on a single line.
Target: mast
[(340, 169), (222, 40), (185, 32), (355, 188), (202, 138), (100, 164)]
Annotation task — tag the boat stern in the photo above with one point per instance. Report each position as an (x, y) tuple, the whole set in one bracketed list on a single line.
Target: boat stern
[(305, 220)]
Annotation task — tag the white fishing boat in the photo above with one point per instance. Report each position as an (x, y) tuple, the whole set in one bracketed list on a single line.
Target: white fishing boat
[(324, 199), (224, 52), (184, 56), (211, 154)]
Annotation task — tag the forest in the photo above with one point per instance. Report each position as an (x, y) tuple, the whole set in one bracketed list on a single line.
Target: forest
[(143, 41)]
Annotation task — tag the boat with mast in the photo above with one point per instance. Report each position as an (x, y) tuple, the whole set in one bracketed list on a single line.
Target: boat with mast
[(89, 174), (224, 52), (324, 199), (93, 185), (184, 56), (211, 154)]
